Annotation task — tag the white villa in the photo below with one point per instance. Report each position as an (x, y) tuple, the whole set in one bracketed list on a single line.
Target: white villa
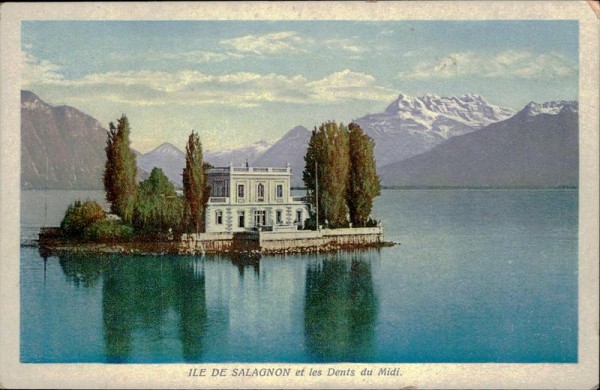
[(245, 198)]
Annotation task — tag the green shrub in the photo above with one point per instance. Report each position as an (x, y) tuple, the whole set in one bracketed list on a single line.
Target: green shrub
[(107, 230), (157, 208), (79, 216), (311, 223), (372, 223)]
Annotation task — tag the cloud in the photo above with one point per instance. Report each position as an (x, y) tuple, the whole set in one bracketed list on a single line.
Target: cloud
[(345, 44), (188, 87), (35, 70), (349, 85), (274, 43), (195, 56), (506, 64), (289, 42)]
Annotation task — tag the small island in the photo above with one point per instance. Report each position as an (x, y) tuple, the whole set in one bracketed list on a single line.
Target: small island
[(233, 209)]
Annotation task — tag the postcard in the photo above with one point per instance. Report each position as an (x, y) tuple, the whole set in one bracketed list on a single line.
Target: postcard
[(299, 195)]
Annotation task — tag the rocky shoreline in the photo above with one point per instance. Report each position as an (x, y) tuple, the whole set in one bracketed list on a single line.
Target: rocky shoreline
[(171, 248), (50, 242)]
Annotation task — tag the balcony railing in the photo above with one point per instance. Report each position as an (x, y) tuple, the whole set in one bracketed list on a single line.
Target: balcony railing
[(250, 170), (225, 199), (219, 170)]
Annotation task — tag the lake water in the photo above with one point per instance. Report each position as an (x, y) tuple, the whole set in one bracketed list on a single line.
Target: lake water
[(481, 276)]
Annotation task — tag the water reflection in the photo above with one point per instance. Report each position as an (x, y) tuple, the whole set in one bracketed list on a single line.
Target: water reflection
[(191, 290), (149, 302), (243, 261), (340, 309), (138, 294), (79, 270)]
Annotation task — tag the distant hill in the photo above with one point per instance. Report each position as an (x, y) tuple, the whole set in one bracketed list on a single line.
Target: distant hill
[(61, 147), (413, 125), (69, 145), (425, 141), (291, 149), (167, 157), (238, 156), (536, 147)]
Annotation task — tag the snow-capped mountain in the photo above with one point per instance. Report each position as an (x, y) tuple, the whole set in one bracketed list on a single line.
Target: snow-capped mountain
[(413, 125), (552, 108), (74, 142), (238, 156), (409, 126), (167, 157), (536, 147)]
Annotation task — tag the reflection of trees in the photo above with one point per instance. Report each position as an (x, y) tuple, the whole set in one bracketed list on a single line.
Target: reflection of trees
[(340, 310), (190, 284), (138, 293), (82, 270), (244, 260), (118, 316)]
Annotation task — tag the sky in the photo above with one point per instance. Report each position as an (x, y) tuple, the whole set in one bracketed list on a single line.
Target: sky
[(236, 82)]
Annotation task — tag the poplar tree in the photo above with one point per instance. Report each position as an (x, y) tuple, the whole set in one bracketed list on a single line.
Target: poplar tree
[(195, 187), (120, 170), (313, 159), (335, 174), (364, 182), (329, 147)]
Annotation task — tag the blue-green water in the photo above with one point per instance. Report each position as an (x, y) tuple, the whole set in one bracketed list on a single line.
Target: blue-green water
[(481, 276)]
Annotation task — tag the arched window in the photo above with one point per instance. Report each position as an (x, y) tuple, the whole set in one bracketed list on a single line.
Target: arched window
[(260, 192)]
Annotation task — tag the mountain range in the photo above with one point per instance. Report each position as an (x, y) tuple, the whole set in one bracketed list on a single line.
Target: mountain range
[(289, 149), (238, 156), (413, 125), (411, 137), (537, 147)]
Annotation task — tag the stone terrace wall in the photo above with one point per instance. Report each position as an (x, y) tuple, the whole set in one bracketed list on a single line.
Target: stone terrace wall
[(276, 242), (205, 243), (319, 240)]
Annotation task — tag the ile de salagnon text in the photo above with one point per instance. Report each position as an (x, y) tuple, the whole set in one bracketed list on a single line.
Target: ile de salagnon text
[(288, 372)]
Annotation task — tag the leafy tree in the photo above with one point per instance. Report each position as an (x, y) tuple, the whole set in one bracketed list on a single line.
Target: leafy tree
[(329, 148), (347, 176), (120, 170), (157, 208), (364, 182), (311, 159), (335, 175), (195, 189), (80, 216)]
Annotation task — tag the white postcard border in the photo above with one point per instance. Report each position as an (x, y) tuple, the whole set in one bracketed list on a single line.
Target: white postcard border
[(584, 374)]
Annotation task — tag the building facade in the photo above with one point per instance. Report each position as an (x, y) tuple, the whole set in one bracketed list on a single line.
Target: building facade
[(246, 198)]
